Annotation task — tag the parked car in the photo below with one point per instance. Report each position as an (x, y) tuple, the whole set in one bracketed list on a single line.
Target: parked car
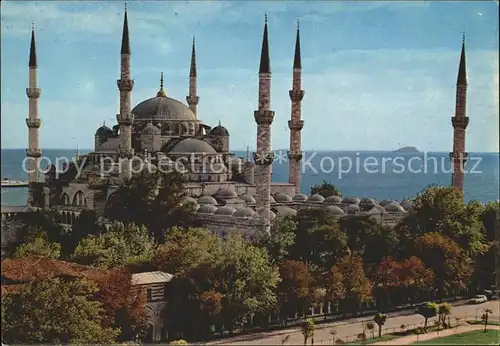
[(478, 299), (491, 294)]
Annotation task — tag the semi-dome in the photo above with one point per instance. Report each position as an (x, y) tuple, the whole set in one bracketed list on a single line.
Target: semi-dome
[(286, 211), (219, 130), (350, 200), (104, 131), (244, 212), (248, 198), (192, 145), (282, 197), (203, 200), (150, 129), (333, 199), (394, 207), (352, 209), (316, 198), (225, 193), (334, 210), (225, 210), (299, 198), (162, 108), (206, 209)]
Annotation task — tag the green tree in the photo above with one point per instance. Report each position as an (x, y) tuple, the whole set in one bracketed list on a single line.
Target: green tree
[(428, 310), (54, 311), (380, 320), (280, 240), (121, 244), (308, 328), (39, 246), (444, 310), (325, 189)]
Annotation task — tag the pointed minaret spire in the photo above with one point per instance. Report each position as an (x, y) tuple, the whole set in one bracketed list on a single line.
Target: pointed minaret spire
[(161, 92), (265, 64), (296, 60), (125, 39), (462, 73), (193, 99), (33, 62)]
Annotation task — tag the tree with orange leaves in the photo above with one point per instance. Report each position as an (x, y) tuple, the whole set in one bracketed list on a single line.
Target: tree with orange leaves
[(357, 285)]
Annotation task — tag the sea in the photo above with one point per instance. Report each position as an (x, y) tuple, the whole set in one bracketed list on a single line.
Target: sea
[(374, 174)]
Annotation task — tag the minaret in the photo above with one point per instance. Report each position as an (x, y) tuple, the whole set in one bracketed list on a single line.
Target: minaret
[(264, 117), (458, 156), (296, 124), (193, 99), (125, 85), (33, 122)]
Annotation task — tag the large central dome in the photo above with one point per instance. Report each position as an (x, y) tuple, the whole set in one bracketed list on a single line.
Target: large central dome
[(162, 108)]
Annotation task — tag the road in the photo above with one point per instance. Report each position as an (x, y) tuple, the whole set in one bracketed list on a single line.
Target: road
[(347, 330)]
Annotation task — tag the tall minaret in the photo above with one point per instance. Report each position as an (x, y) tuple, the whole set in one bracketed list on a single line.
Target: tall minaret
[(264, 117), (125, 85), (296, 124), (33, 122), (459, 121), (193, 99)]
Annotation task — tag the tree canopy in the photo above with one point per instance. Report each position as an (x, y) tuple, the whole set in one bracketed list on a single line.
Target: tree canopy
[(325, 189)]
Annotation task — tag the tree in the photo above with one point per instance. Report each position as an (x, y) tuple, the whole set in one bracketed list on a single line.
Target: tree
[(121, 244), (325, 189), (123, 304), (428, 310), (54, 311), (356, 284), (279, 241), (485, 318), (370, 326), (334, 285), (444, 310), (39, 246), (380, 320), (307, 327)]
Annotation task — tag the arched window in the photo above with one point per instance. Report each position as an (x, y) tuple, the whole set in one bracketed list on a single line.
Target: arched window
[(78, 198), (65, 199)]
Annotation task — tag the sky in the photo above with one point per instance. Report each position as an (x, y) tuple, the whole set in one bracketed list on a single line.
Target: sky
[(376, 75)]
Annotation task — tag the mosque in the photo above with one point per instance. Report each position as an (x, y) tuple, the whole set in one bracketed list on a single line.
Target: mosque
[(229, 192)]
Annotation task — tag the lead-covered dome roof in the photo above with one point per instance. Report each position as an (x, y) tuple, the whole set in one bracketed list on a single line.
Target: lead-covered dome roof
[(219, 130), (104, 131), (162, 108), (192, 145)]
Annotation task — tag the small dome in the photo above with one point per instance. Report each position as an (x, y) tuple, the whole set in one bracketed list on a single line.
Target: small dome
[(316, 198), (192, 145), (350, 200), (406, 204), (299, 198), (384, 202), (225, 193), (269, 214), (334, 210), (206, 209), (286, 211), (249, 199), (394, 207), (271, 199), (104, 131), (377, 210), (207, 200), (219, 131), (244, 212), (333, 200), (282, 197), (187, 200), (227, 211), (150, 129), (352, 209)]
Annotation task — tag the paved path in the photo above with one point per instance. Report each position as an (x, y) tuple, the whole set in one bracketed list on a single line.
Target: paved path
[(348, 329), (410, 339)]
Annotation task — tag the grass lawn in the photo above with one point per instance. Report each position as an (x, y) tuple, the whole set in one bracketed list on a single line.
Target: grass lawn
[(475, 337), (490, 323)]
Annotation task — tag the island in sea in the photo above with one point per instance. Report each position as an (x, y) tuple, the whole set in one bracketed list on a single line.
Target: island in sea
[(407, 150)]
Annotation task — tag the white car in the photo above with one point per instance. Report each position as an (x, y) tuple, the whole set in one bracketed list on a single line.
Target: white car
[(478, 299)]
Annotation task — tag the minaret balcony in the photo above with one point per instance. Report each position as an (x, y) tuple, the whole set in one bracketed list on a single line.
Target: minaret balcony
[(296, 95), (294, 156), (263, 158), (460, 123), (264, 117), (125, 84), (33, 93), (295, 125), (31, 152), (33, 123), (125, 119), (192, 100)]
